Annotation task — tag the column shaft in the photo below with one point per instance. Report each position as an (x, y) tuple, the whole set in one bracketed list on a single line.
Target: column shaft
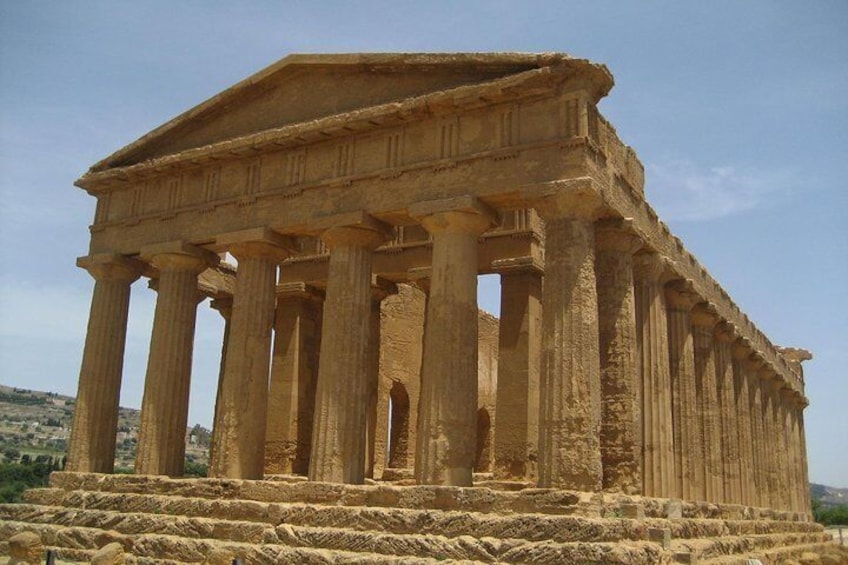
[(743, 424), (770, 447), (294, 374), (805, 477), (687, 439), (729, 454), (569, 394), (517, 395), (92, 442), (758, 431), (225, 307), (658, 474), (164, 408), (447, 417), (621, 437), (338, 433), (706, 392)]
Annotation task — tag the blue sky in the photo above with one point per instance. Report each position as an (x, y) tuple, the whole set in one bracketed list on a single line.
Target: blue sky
[(737, 109)]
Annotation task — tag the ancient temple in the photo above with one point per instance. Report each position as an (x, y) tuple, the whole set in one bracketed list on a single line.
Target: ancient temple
[(362, 195)]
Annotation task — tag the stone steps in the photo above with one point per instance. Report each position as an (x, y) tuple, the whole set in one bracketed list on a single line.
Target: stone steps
[(80, 543), (706, 549), (462, 547), (532, 527), (288, 520), (780, 555), (286, 545)]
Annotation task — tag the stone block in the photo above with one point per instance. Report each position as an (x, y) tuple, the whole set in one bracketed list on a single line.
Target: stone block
[(661, 536), (632, 510), (674, 509), (25, 548)]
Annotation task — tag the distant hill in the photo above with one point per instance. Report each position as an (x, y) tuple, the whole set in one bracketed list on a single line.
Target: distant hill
[(35, 423), (829, 496)]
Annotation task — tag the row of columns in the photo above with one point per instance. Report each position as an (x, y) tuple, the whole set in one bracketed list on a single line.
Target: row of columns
[(629, 383)]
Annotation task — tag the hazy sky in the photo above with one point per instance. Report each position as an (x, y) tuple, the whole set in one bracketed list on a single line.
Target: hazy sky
[(739, 111)]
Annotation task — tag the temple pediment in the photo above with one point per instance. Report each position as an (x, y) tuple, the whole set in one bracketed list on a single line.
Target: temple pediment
[(302, 88)]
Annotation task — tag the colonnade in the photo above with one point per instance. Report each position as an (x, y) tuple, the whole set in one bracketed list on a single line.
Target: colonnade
[(614, 374)]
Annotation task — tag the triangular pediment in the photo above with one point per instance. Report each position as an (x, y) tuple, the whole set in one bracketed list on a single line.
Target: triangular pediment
[(300, 88)]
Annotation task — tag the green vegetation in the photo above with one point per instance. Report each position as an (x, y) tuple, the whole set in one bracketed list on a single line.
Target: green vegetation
[(15, 478), (830, 514)]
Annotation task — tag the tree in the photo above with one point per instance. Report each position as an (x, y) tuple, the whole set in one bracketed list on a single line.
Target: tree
[(11, 454)]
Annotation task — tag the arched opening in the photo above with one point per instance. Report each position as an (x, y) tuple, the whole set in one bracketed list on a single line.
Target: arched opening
[(398, 452), (483, 457)]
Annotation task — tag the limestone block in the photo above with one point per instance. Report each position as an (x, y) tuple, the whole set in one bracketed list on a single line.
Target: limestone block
[(111, 554), (661, 536), (25, 548), (219, 556), (674, 510)]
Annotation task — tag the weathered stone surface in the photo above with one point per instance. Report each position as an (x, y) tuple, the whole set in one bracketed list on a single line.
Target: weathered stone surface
[(427, 169), (25, 548), (110, 554)]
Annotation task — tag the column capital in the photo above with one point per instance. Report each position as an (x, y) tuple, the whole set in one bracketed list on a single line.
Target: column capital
[(680, 295), (179, 256), (571, 198), (766, 372), (650, 266), (725, 332), (352, 229), (257, 243), (617, 234), (704, 315), (300, 290), (462, 214), (518, 266), (741, 349), (111, 266)]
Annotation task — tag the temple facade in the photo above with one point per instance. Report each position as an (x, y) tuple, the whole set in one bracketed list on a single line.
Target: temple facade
[(361, 196)]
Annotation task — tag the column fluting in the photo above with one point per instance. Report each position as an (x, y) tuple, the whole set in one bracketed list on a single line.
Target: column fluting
[(621, 413), (164, 408), (570, 392), (517, 404), (338, 432), (688, 450), (92, 443), (447, 417), (240, 434)]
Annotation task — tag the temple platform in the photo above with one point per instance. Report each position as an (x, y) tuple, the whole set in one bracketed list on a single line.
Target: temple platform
[(289, 520)]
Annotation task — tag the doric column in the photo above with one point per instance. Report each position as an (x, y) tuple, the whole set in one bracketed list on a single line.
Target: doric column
[(447, 418), (224, 306), (740, 351), (164, 408), (240, 434), (805, 477), (706, 393), (338, 433), (570, 392), (294, 374), (770, 448), (755, 403), (517, 395), (658, 476), (380, 289), (729, 454), (92, 441), (688, 458), (621, 414), (780, 462), (787, 401)]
